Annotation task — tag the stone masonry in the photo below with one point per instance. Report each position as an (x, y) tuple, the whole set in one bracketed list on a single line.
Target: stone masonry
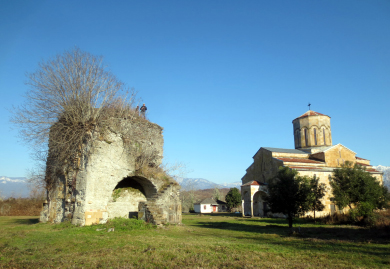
[(314, 154), (107, 184)]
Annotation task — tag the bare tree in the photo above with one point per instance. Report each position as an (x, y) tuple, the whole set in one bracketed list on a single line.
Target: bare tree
[(216, 193), (36, 182), (71, 96)]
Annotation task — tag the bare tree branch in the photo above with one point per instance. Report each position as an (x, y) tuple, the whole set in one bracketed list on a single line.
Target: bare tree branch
[(71, 96)]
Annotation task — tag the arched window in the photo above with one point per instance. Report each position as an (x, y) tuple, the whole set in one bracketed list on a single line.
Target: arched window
[(297, 139), (323, 133), (305, 137), (315, 136)]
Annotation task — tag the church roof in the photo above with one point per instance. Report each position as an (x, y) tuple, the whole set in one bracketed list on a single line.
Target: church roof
[(311, 113), (297, 160), (295, 151), (253, 182), (338, 145)]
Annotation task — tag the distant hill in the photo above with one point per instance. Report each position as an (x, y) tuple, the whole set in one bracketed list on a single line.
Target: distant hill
[(13, 187), (202, 184), (18, 186)]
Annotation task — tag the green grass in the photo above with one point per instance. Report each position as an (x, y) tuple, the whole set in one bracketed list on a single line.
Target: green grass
[(203, 241)]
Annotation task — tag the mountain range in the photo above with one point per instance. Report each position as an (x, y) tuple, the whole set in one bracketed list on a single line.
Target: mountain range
[(201, 184), (18, 186), (13, 187)]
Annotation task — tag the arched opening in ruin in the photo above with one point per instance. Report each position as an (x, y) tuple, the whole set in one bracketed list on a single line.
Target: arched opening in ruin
[(259, 205), (128, 194)]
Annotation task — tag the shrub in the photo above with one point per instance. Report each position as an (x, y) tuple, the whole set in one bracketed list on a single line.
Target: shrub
[(126, 224), (20, 207)]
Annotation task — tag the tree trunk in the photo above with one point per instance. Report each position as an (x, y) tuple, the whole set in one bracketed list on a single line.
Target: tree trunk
[(290, 221)]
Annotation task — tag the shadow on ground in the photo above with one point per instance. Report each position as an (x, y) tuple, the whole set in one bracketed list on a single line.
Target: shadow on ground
[(279, 227), (27, 221)]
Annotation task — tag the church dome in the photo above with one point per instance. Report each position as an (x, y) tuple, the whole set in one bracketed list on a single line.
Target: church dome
[(312, 130), (311, 113)]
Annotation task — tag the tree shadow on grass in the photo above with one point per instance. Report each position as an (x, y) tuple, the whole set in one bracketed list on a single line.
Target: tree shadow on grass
[(268, 220), (279, 227), (330, 240), (28, 221), (217, 214)]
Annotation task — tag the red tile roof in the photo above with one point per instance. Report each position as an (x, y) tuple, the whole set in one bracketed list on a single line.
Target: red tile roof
[(319, 168), (361, 158), (297, 160), (304, 167), (254, 182), (311, 113)]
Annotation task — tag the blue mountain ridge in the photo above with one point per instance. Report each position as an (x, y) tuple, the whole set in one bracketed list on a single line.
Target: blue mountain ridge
[(18, 186)]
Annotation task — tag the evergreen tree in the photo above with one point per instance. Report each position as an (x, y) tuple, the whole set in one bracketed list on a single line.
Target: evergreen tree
[(288, 194), (233, 198), (315, 195)]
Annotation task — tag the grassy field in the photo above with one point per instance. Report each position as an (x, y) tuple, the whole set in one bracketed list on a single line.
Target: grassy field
[(203, 241)]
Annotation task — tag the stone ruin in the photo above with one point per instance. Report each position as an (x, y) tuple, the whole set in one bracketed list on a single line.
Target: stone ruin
[(108, 182)]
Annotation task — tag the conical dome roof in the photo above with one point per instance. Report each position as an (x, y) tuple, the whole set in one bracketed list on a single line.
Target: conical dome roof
[(311, 113)]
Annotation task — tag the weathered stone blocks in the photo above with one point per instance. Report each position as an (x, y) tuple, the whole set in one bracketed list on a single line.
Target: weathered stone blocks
[(107, 184)]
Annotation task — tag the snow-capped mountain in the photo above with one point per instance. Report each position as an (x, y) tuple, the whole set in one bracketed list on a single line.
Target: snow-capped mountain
[(13, 187), (386, 174), (201, 184)]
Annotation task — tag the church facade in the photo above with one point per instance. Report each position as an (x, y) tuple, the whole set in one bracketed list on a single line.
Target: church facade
[(314, 154)]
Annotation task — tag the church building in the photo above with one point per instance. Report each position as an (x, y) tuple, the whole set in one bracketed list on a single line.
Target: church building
[(314, 154)]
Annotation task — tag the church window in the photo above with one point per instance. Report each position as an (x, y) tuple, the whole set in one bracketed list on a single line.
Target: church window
[(299, 138), (315, 136), (305, 137), (323, 133)]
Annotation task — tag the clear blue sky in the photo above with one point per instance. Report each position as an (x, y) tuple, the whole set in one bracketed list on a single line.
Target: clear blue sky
[(223, 78)]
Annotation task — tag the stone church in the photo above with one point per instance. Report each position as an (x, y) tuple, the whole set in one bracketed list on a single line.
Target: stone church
[(314, 154)]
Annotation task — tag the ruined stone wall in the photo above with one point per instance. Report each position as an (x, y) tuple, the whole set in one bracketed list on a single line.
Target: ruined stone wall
[(108, 181)]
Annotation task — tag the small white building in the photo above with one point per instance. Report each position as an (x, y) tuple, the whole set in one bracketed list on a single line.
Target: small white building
[(209, 205)]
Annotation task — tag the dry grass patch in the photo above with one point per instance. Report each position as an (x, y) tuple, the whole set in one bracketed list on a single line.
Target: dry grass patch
[(20, 207)]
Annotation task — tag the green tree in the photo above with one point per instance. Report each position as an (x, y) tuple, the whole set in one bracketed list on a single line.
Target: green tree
[(354, 187), (316, 193), (288, 194), (233, 198)]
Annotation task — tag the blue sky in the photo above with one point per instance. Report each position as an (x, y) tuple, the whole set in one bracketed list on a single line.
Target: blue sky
[(223, 78)]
